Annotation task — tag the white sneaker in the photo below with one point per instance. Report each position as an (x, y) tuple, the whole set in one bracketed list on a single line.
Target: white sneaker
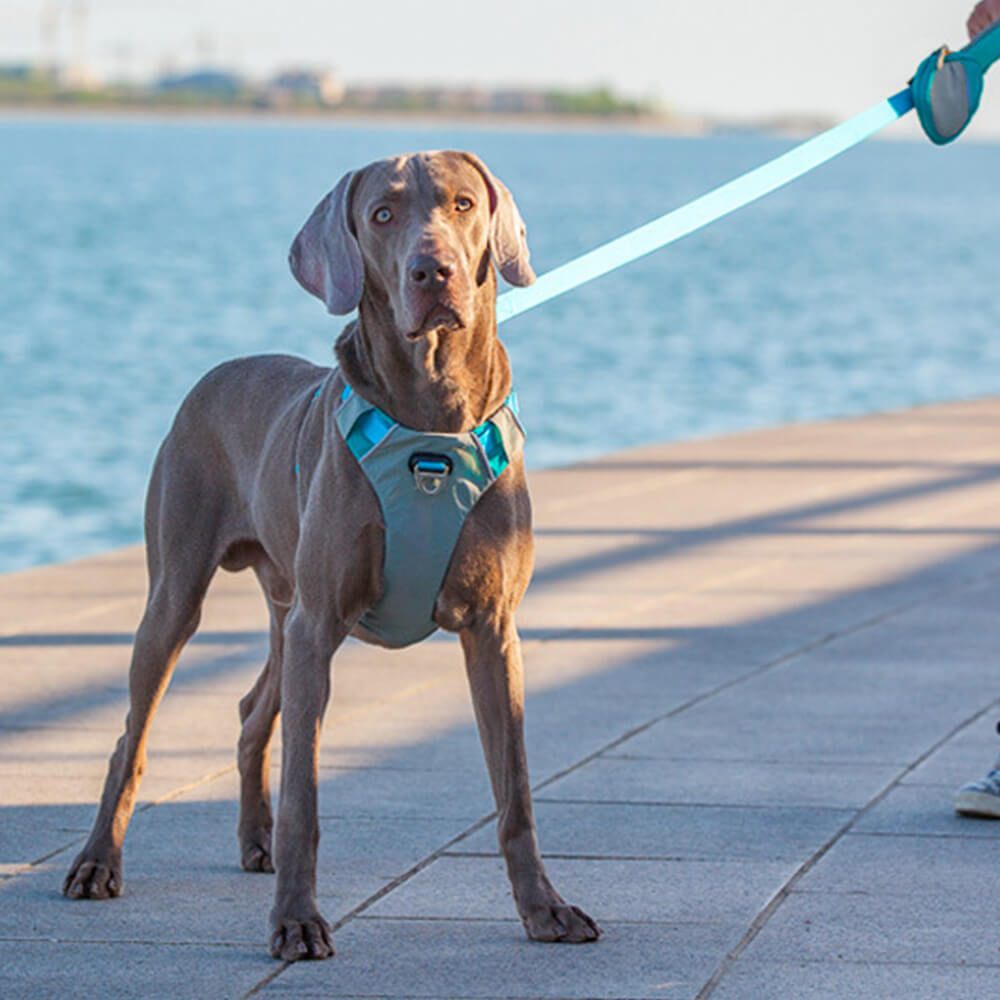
[(981, 798)]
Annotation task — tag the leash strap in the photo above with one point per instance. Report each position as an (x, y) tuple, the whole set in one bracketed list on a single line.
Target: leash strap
[(706, 209), (945, 90)]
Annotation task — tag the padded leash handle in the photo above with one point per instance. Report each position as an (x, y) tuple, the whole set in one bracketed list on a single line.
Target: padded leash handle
[(947, 86)]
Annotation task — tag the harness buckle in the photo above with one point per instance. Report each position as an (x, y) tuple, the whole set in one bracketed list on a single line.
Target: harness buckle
[(429, 472)]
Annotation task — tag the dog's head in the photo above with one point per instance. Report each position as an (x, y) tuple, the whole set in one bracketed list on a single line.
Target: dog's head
[(416, 232)]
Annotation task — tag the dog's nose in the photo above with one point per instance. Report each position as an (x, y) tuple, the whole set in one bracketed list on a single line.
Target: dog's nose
[(430, 270)]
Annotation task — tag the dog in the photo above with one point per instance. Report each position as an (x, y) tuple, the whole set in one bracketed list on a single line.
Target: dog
[(265, 468)]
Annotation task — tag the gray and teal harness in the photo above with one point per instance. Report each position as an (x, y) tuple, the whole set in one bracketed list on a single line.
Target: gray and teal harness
[(426, 485)]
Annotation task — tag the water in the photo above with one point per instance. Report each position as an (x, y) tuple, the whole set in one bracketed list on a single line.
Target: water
[(135, 255)]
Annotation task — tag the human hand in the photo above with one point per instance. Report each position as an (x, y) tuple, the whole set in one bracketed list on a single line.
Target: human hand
[(984, 15)]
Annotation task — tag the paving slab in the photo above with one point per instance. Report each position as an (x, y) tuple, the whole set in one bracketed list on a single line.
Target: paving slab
[(730, 893), (757, 668), (698, 832), (619, 776), (126, 970), (857, 980), (915, 810)]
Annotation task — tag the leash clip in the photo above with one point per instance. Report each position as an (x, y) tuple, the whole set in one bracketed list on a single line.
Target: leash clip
[(430, 472), (945, 51)]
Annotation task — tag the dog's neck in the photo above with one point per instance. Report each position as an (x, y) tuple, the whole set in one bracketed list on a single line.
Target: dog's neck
[(447, 381)]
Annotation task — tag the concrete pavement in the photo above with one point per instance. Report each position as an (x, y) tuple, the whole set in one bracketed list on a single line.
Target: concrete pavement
[(758, 667)]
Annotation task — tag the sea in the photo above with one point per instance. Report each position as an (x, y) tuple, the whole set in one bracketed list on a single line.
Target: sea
[(137, 253)]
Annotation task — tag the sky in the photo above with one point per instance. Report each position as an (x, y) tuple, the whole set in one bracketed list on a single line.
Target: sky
[(732, 59)]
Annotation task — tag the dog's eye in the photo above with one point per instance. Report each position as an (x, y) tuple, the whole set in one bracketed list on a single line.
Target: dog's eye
[(382, 215), (463, 204)]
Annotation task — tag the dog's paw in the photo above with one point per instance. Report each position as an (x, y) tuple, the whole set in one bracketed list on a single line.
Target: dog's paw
[(256, 858), (92, 878), (293, 940), (561, 923)]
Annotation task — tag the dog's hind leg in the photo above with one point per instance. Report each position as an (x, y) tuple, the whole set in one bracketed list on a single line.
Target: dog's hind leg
[(183, 554), (258, 713)]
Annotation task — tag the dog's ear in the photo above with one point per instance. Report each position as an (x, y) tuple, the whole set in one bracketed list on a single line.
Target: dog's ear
[(325, 257), (508, 245)]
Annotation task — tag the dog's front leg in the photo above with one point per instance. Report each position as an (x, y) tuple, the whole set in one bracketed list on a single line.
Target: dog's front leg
[(493, 661), (298, 930)]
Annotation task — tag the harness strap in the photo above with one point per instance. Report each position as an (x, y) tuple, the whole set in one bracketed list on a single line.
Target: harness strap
[(373, 425)]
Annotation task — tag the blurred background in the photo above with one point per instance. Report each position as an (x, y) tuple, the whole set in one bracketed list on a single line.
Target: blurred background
[(159, 159), (725, 61)]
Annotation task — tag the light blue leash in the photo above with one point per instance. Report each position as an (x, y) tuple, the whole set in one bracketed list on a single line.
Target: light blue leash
[(946, 89), (709, 207)]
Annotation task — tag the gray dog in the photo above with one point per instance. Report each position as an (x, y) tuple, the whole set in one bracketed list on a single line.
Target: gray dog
[(381, 499)]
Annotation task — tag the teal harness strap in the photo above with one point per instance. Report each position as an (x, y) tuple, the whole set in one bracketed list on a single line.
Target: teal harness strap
[(426, 485), (704, 210)]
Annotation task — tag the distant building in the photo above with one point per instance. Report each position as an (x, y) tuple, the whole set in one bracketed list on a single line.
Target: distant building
[(519, 102), (469, 100), (216, 83), (296, 85), (20, 72), (77, 76)]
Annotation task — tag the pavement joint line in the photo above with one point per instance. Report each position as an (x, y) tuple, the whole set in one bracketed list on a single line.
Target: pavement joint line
[(932, 836), (114, 942), (624, 922), (92, 611), (439, 920), (759, 922), (658, 804), (868, 962), (866, 763), (266, 981), (410, 995), (190, 786), (589, 858)]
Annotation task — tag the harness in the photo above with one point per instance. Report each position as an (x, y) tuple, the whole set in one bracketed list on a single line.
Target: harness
[(426, 485)]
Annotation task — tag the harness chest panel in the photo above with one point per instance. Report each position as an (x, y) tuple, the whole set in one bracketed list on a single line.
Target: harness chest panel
[(426, 485)]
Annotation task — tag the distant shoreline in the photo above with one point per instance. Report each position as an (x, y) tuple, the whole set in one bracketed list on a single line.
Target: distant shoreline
[(791, 129), (514, 121)]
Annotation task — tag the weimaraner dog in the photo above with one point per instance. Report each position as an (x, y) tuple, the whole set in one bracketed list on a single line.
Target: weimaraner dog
[(258, 472)]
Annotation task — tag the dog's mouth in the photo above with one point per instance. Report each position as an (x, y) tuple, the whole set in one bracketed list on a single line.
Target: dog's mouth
[(438, 317)]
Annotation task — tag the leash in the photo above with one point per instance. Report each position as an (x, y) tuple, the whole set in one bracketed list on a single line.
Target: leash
[(945, 91)]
